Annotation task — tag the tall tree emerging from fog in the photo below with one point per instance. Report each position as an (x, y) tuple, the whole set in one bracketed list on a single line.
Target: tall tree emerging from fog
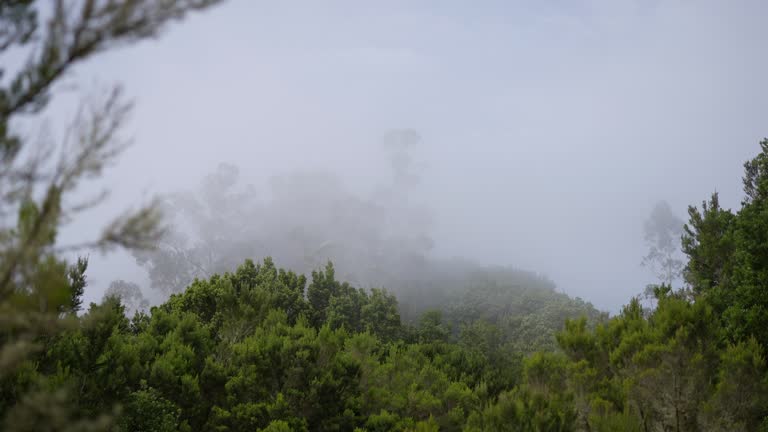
[(662, 231), (129, 294), (37, 179), (211, 232)]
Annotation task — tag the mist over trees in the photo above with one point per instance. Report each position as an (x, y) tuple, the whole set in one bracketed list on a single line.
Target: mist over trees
[(381, 239), (366, 331), (128, 294), (304, 220), (662, 232)]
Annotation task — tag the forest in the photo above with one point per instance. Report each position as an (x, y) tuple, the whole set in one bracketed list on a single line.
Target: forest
[(244, 343)]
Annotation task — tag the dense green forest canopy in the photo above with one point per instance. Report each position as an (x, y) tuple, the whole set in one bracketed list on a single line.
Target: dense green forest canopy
[(257, 347), (263, 348)]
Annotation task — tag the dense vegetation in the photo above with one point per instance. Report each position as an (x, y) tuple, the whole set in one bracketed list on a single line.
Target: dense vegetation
[(266, 349), (262, 348)]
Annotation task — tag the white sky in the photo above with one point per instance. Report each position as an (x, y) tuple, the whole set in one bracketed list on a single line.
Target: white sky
[(550, 127)]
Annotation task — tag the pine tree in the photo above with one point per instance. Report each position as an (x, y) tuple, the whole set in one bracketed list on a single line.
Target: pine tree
[(35, 283)]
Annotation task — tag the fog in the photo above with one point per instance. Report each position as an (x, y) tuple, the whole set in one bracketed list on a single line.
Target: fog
[(548, 130)]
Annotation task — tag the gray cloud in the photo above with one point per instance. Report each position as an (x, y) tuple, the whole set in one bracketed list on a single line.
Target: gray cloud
[(549, 128)]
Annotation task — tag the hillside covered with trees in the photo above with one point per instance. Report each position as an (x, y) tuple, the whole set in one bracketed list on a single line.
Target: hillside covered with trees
[(263, 348), (444, 346)]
